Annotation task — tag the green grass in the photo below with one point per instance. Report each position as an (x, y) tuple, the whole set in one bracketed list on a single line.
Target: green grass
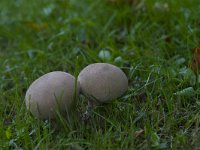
[(154, 42)]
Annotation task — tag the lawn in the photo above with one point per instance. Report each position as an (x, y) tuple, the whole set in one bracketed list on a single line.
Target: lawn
[(150, 40)]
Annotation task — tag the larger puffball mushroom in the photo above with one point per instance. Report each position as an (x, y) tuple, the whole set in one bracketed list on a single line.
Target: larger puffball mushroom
[(54, 91), (102, 82)]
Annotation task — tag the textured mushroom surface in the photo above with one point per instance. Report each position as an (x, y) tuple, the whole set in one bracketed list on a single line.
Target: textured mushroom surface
[(102, 82), (50, 92)]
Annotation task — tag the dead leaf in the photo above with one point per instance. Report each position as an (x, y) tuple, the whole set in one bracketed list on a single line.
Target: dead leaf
[(36, 26), (195, 64), (138, 133), (196, 49)]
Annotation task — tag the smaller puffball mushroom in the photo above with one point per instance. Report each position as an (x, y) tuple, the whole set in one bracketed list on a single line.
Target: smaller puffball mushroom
[(51, 92), (102, 83)]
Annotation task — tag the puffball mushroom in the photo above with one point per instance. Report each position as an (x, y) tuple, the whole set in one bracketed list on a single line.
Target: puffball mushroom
[(51, 92), (102, 82)]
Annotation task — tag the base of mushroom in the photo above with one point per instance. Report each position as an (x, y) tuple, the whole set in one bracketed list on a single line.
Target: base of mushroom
[(88, 113)]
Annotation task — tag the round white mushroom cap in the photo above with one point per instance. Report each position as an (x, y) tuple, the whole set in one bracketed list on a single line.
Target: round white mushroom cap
[(102, 82), (51, 92)]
